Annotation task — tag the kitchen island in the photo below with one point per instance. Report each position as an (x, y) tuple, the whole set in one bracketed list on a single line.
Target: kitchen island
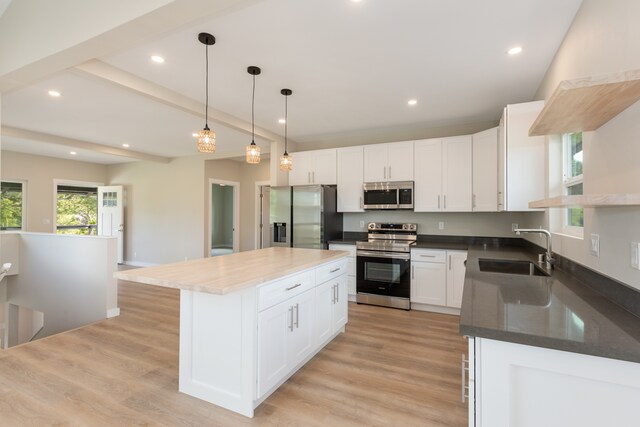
[(250, 320)]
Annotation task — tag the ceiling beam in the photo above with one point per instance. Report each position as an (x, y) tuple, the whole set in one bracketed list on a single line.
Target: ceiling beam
[(116, 76), (9, 131)]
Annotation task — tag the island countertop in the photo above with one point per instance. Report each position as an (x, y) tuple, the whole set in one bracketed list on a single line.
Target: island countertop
[(228, 273)]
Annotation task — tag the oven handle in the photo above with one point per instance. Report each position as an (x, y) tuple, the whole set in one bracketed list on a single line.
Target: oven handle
[(374, 254)]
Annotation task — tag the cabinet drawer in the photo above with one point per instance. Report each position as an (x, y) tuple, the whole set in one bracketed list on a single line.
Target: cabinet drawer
[(330, 271), (281, 290), (429, 255)]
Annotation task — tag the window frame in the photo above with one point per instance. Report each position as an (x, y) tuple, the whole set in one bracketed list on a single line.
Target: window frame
[(23, 219), (568, 180)]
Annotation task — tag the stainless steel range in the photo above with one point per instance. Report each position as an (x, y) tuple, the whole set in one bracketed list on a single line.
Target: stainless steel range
[(384, 265)]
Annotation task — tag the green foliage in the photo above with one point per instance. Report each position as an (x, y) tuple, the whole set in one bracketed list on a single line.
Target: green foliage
[(10, 208), (77, 209)]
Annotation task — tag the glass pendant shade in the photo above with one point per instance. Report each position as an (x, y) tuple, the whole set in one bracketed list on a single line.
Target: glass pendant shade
[(206, 140), (286, 162), (253, 153)]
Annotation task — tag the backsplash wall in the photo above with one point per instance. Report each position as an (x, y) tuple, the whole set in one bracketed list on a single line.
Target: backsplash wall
[(492, 224)]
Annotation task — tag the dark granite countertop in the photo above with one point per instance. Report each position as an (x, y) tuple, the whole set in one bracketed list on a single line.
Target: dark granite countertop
[(558, 312)]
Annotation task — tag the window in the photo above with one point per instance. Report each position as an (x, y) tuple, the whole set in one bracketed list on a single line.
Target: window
[(572, 180), (12, 202), (76, 210)]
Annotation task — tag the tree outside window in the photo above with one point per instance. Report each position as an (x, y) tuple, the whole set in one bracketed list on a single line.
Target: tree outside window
[(11, 205)]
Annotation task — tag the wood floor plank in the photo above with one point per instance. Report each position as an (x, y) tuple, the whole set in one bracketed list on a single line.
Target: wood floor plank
[(390, 368)]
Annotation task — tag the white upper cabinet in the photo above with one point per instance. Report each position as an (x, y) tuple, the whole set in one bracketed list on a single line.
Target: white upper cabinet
[(443, 174), (313, 167), (521, 160), (485, 171), (350, 175), (388, 162)]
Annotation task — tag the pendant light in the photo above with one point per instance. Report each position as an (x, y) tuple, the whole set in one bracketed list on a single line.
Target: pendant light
[(253, 151), (286, 162), (206, 137)]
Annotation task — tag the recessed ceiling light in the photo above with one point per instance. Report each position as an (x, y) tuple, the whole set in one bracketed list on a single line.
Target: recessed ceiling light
[(54, 93), (125, 145), (157, 59), (282, 121), (73, 153), (515, 50), (195, 135), (412, 102)]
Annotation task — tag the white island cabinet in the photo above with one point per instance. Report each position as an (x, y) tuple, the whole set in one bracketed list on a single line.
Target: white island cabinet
[(250, 320)]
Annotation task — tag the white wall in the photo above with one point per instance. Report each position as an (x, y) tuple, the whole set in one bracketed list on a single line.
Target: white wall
[(39, 172), (163, 209), (604, 38)]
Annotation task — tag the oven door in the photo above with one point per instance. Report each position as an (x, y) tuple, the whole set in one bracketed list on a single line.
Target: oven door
[(383, 274)]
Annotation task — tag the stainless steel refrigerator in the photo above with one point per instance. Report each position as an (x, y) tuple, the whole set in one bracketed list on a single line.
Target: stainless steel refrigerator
[(304, 216)]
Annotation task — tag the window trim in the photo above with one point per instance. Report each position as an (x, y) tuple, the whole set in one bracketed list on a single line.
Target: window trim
[(70, 183), (23, 220), (569, 181)]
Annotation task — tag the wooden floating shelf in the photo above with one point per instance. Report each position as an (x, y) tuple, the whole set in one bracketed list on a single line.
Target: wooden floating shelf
[(586, 104), (588, 201)]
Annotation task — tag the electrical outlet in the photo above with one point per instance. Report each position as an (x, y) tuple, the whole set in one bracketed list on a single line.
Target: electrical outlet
[(361, 225), (635, 255), (595, 245), (441, 225), (514, 226)]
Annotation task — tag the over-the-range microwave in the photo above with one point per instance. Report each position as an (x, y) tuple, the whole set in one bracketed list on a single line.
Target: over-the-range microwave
[(388, 195)]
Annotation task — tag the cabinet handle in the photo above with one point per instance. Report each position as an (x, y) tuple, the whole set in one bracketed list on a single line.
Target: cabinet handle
[(450, 263), (389, 172), (297, 315), (385, 172), (309, 177), (337, 292), (428, 256), (294, 286), (334, 270), (438, 201), (313, 177), (445, 201), (413, 272), (473, 201), (361, 203), (333, 294), (464, 387), (291, 318)]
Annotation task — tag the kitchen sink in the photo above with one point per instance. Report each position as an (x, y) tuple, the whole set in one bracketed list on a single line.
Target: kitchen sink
[(522, 267)]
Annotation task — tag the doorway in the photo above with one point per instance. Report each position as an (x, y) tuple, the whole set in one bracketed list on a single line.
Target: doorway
[(223, 217)]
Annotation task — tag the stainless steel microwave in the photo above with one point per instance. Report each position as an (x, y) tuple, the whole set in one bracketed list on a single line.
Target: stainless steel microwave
[(388, 195)]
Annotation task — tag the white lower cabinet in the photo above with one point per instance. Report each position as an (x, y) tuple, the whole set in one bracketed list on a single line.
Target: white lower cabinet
[(526, 386), (331, 311), (437, 277), (351, 266)]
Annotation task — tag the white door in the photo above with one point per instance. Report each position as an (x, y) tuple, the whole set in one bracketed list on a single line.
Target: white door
[(455, 278), (428, 175), (340, 303), (456, 174), (111, 215), (324, 167), (301, 341), (324, 311), (485, 171), (429, 283), (274, 327), (350, 179), (400, 161), (375, 162)]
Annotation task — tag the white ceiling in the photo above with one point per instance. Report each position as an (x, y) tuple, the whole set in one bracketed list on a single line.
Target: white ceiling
[(352, 67)]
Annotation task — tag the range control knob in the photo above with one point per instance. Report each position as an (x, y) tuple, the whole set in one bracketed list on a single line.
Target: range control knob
[(372, 225)]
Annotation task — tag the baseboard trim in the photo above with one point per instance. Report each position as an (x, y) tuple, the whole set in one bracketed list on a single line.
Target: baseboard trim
[(113, 312), (435, 309)]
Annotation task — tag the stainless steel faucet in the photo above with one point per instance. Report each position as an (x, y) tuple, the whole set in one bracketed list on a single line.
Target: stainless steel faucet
[(548, 257)]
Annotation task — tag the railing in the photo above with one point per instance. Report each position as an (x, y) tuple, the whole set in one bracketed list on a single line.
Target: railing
[(91, 229)]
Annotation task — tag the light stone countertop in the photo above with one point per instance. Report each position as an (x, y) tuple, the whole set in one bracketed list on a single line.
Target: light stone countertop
[(228, 273)]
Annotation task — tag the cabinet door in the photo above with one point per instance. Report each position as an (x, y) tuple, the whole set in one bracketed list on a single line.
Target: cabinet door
[(428, 283), (428, 175), (302, 166), (350, 173), (324, 168), (485, 171), (375, 162), (340, 303), (525, 157), (302, 341), (455, 277), (456, 174), (274, 327), (324, 311), (400, 161)]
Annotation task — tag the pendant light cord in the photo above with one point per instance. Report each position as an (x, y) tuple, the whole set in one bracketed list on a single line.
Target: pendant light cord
[(253, 101), (286, 121), (206, 104)]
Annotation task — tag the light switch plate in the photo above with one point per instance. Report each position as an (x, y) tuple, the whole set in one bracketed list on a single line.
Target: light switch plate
[(595, 245), (362, 225), (441, 225), (635, 255)]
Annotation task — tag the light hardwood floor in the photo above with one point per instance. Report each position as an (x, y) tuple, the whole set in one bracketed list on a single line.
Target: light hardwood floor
[(390, 368)]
